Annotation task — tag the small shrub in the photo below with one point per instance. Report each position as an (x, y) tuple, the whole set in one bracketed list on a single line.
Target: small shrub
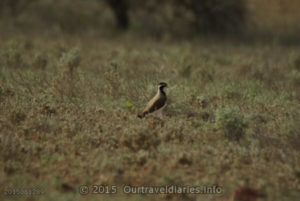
[(232, 123), (185, 159), (294, 77), (207, 75), (206, 116), (70, 60), (67, 81), (40, 61), (12, 58), (186, 71), (141, 157), (5, 93), (174, 134), (232, 92), (129, 105), (144, 140), (113, 80), (17, 117), (203, 101), (297, 63)]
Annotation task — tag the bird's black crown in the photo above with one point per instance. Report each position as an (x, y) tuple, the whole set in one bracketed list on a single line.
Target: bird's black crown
[(162, 84)]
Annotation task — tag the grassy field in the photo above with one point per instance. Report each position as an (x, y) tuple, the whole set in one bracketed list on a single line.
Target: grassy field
[(69, 105), (71, 87)]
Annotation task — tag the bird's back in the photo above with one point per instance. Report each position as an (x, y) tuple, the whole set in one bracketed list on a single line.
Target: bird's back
[(156, 103)]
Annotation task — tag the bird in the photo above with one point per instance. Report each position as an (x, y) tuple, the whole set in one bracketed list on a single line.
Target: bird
[(157, 102)]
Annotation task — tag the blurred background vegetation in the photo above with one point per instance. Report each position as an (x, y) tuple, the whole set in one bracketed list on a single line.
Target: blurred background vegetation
[(278, 19)]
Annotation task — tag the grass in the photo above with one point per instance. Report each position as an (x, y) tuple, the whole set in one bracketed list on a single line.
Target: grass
[(68, 116), (68, 104)]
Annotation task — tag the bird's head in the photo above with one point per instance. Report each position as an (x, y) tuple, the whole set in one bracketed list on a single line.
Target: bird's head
[(161, 86)]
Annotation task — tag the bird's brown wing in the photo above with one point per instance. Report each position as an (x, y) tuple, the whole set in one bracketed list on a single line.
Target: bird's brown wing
[(154, 104)]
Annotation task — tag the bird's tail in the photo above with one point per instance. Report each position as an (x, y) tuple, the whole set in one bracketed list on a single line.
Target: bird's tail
[(141, 115)]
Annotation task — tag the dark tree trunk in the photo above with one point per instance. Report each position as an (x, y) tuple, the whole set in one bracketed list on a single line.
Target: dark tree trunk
[(120, 9)]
